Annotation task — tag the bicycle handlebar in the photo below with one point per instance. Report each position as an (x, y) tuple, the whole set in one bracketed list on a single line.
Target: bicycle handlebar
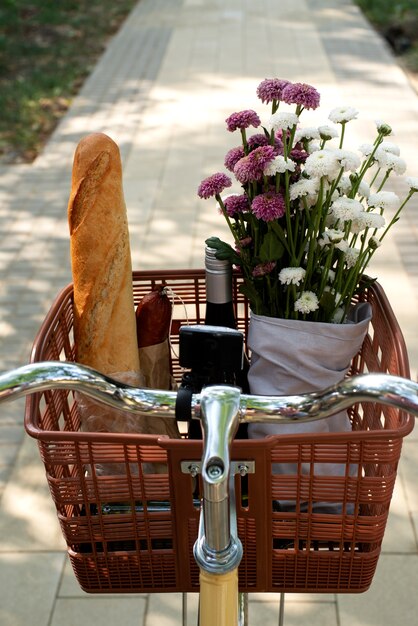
[(386, 389)]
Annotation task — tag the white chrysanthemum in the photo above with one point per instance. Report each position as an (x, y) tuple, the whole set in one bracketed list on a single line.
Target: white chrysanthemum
[(335, 235), (322, 163), (282, 121), (383, 128), (357, 225), (307, 302), (346, 209), (278, 166), (351, 256), (384, 200), (331, 276), (306, 133), (335, 195), (395, 163), (367, 220), (366, 149), (313, 146), (342, 245), (381, 157), (364, 189), (374, 243), (345, 185), (304, 187), (341, 115), (389, 146), (412, 183), (292, 275), (327, 132), (349, 160), (331, 236)]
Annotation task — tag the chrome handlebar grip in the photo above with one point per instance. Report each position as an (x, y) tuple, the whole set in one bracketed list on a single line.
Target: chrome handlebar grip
[(40, 376), (387, 389)]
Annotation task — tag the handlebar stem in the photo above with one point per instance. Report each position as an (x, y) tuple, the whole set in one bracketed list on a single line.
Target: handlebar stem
[(218, 549)]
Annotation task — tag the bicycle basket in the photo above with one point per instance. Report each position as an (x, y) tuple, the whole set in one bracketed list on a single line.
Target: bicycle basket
[(134, 531)]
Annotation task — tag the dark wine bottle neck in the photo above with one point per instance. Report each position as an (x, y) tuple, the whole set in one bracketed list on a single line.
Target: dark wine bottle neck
[(220, 314)]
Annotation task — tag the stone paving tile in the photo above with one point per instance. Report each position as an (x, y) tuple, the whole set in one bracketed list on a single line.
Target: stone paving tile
[(28, 584), (166, 609), (28, 521), (391, 599), (129, 611), (296, 613), (400, 536)]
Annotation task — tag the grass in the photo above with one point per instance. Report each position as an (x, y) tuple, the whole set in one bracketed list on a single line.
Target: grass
[(385, 12), (397, 21), (47, 48)]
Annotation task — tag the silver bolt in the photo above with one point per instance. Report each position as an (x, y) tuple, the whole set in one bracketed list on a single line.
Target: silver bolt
[(243, 469), (214, 471), (194, 469)]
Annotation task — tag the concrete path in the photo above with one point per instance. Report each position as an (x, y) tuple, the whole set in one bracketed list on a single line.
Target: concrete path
[(162, 90)]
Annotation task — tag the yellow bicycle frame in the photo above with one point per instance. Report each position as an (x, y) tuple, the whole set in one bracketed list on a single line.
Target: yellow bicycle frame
[(218, 599)]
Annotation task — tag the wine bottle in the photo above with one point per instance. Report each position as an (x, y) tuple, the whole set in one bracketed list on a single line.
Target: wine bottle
[(219, 304), (220, 312), (213, 352)]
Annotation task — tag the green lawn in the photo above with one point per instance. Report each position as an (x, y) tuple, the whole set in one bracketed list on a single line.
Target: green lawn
[(47, 48), (398, 22)]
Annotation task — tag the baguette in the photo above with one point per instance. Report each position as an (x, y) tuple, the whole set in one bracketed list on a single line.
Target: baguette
[(105, 328), (104, 313)]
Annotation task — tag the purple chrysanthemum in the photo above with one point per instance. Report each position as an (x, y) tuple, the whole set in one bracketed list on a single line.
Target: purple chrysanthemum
[(247, 241), (268, 206), (299, 155), (302, 94), (263, 268), (213, 185), (232, 157), (251, 167), (255, 141), (271, 89), (236, 204), (242, 119)]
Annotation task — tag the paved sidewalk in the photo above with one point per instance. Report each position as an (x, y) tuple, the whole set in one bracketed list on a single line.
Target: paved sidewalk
[(162, 90)]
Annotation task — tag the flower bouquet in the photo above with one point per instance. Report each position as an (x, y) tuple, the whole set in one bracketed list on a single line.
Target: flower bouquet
[(309, 218), (311, 214)]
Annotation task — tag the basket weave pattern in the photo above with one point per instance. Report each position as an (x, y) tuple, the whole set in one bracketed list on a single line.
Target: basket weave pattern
[(134, 532)]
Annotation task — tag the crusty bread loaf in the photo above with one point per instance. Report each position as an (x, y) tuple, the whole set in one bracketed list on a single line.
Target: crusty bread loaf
[(104, 314)]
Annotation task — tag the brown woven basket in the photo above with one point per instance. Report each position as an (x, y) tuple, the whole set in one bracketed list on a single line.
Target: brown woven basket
[(134, 532)]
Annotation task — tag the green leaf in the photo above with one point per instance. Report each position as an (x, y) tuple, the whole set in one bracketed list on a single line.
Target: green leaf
[(271, 249), (224, 251), (279, 232), (249, 291), (327, 303)]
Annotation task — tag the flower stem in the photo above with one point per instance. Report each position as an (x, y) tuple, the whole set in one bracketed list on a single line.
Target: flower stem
[(244, 140)]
